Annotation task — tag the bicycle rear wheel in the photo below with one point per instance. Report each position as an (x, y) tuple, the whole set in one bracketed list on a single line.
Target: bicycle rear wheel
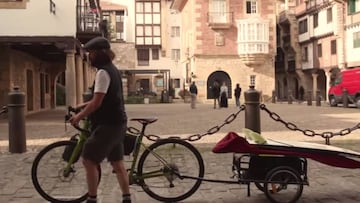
[(159, 165), (48, 178)]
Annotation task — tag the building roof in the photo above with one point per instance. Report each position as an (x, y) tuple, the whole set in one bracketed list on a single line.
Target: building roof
[(109, 6)]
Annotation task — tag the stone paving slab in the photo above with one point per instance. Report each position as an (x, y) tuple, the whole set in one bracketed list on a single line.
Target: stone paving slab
[(327, 184)]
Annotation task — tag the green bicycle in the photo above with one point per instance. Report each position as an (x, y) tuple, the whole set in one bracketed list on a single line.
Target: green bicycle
[(160, 168)]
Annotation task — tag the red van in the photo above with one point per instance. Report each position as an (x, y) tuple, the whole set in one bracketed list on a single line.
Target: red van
[(349, 80)]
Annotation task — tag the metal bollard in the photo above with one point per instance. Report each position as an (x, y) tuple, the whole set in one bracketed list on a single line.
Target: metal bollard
[(309, 98), (273, 97), (318, 98), (345, 98), (16, 117), (252, 110), (290, 97)]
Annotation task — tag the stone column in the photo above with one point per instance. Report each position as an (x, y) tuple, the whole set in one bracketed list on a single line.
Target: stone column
[(328, 78), (86, 75), (79, 79), (70, 78), (314, 75)]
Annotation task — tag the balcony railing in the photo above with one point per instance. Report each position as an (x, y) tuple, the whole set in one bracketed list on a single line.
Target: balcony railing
[(220, 20), (87, 19)]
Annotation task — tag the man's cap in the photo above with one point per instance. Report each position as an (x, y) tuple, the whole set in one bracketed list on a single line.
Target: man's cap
[(97, 43)]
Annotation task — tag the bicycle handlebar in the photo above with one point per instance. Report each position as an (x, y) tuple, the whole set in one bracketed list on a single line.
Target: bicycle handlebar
[(70, 111)]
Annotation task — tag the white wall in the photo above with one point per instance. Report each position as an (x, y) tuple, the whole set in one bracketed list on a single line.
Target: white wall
[(129, 28), (324, 27), (352, 54), (310, 63), (36, 19)]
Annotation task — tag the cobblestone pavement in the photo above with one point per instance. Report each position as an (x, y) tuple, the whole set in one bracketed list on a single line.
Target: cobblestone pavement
[(327, 184)]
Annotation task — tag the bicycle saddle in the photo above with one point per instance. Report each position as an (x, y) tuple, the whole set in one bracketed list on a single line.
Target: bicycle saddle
[(144, 120)]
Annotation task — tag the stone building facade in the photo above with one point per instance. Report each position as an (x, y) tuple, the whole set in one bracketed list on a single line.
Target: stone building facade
[(228, 41)]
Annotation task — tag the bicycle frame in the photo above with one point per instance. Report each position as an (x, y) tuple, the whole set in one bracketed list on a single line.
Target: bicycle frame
[(133, 176), (82, 136)]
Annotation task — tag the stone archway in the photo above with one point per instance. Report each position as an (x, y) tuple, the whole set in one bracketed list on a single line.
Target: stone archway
[(220, 77)]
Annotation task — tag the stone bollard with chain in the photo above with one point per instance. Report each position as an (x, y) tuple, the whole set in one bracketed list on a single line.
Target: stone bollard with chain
[(16, 117), (318, 98), (252, 110), (309, 98)]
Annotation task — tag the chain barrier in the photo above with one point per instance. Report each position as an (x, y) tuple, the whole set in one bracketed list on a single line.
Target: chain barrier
[(307, 132), (291, 126), (195, 137)]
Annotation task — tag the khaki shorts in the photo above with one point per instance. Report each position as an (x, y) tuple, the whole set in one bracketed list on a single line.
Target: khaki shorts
[(105, 142)]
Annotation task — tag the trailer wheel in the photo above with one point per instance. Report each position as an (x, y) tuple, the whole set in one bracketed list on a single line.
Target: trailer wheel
[(283, 185)]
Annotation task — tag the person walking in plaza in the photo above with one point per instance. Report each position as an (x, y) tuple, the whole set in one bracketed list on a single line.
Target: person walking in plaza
[(106, 111), (193, 91), (216, 93), (224, 95), (237, 93)]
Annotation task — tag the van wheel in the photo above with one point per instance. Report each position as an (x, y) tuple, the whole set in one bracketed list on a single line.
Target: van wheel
[(357, 102), (333, 101)]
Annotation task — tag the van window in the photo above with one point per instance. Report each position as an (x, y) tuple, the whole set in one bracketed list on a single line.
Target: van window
[(338, 79)]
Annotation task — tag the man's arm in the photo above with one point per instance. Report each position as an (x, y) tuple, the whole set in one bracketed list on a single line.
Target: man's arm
[(90, 107)]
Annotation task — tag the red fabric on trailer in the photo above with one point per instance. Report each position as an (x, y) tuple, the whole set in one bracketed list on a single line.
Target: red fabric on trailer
[(232, 143)]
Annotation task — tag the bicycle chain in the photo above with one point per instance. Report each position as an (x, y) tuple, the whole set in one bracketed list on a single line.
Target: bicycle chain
[(307, 132), (195, 137)]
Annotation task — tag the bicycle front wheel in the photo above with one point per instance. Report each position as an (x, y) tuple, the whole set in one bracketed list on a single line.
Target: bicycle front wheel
[(47, 174), (161, 165)]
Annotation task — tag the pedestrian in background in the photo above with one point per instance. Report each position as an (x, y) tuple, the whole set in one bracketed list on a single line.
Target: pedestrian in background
[(237, 93), (193, 91), (216, 93), (224, 95)]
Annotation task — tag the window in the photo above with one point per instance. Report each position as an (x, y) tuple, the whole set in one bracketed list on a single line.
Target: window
[(155, 54), (333, 47), (176, 83), (147, 20), (329, 15), (175, 31), (305, 54), (303, 26), (316, 20), (253, 36), (251, 6), (218, 11), (319, 50), (175, 54), (143, 57), (356, 39), (353, 6)]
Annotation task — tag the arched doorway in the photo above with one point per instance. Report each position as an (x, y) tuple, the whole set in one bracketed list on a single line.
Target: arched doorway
[(321, 83), (220, 77)]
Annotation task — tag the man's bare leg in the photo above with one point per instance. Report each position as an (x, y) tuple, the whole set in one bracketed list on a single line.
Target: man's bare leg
[(122, 177), (92, 177)]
